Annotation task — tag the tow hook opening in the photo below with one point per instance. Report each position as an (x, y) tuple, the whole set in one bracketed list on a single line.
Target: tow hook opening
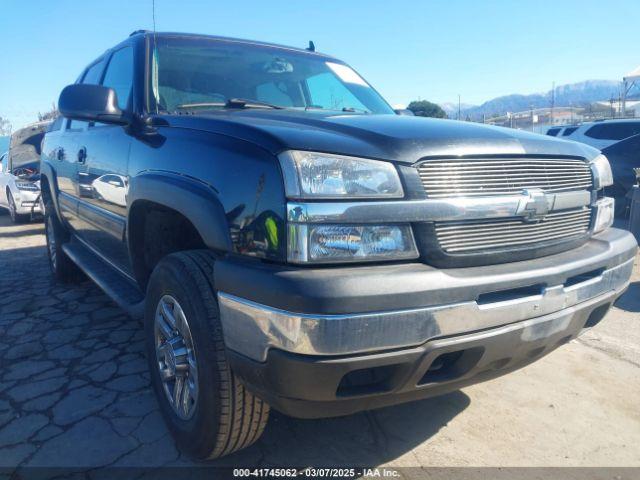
[(451, 365), (367, 381)]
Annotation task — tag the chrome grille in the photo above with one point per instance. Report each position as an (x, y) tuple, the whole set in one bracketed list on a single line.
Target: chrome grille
[(486, 235), (485, 177)]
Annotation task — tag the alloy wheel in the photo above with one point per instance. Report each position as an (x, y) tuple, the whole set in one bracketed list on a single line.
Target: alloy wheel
[(175, 357), (12, 208)]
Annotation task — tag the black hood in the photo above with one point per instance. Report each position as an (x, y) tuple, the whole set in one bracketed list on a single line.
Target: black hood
[(398, 138)]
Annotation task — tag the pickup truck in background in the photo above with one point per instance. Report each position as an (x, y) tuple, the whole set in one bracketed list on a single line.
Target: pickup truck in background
[(294, 243)]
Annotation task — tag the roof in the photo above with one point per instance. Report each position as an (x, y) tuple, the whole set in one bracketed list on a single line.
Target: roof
[(227, 39), (632, 75)]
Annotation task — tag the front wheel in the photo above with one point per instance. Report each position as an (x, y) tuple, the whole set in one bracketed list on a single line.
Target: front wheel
[(13, 211), (207, 408)]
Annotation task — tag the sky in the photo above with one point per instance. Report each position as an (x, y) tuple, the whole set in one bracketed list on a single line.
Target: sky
[(408, 50)]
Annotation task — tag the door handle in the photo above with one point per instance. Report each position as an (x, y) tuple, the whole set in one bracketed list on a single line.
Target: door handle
[(60, 153), (82, 155)]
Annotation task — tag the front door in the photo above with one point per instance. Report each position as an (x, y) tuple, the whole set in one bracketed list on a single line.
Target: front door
[(102, 182)]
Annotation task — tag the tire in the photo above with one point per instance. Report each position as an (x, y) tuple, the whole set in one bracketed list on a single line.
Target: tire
[(15, 217), (220, 416), (62, 268)]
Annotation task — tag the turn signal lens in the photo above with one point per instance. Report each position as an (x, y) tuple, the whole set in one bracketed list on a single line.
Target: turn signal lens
[(604, 214)]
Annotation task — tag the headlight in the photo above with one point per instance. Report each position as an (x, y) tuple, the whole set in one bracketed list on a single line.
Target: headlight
[(32, 187), (350, 243), (602, 176), (323, 175), (604, 214)]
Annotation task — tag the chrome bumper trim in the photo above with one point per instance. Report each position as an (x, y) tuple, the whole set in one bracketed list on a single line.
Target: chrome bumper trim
[(252, 329), (429, 210)]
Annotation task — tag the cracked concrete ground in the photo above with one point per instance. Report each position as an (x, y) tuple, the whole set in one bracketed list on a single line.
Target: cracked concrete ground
[(74, 392)]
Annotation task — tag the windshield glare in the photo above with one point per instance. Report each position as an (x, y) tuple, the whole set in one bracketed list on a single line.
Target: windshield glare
[(206, 73)]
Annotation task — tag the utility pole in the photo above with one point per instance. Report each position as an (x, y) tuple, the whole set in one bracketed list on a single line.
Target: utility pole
[(571, 109), (531, 113), (459, 116), (611, 103), (620, 109), (553, 102)]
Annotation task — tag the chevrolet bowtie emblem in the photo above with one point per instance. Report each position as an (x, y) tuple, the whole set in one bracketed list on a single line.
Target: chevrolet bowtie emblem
[(534, 205)]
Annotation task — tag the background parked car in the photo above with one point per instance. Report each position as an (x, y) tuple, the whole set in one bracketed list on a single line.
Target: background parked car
[(623, 156), (20, 172), (600, 134)]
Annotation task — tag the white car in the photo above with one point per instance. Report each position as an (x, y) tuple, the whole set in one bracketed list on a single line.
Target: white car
[(20, 172), (111, 188), (600, 134), (19, 188)]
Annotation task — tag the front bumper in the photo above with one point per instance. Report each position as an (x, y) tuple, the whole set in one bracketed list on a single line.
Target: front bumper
[(294, 338), (27, 201)]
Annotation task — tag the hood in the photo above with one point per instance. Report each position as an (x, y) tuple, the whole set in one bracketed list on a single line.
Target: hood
[(402, 139)]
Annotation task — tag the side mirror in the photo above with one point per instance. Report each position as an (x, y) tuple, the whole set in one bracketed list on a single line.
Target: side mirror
[(404, 111), (92, 103)]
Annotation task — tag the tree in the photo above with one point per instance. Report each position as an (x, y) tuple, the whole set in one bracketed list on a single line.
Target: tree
[(50, 115), (423, 108), (5, 127)]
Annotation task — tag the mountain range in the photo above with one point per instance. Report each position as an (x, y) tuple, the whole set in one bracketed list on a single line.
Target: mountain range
[(575, 94)]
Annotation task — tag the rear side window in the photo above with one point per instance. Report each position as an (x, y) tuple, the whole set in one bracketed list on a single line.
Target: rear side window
[(119, 75), (568, 131), (553, 131), (91, 77), (613, 131)]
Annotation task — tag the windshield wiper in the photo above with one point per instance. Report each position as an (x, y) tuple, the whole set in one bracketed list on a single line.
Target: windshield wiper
[(247, 103), (230, 103), (186, 106), (355, 110)]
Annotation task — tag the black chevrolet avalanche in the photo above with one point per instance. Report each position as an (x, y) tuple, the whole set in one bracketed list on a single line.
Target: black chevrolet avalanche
[(294, 243)]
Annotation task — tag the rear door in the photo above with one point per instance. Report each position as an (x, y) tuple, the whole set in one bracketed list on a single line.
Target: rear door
[(103, 152)]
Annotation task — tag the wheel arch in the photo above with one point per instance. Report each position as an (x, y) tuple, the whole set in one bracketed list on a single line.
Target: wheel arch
[(48, 186), (185, 205)]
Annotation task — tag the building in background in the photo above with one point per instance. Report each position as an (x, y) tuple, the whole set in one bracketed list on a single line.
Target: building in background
[(539, 119)]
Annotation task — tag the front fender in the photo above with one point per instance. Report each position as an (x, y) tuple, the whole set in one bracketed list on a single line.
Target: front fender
[(47, 171), (192, 198)]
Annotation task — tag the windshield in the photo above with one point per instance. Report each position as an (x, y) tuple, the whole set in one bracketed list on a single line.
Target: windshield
[(197, 73)]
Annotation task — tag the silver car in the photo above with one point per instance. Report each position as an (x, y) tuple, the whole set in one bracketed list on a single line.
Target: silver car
[(20, 173), (19, 189)]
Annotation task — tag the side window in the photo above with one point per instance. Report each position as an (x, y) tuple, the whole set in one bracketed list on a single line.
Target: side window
[(92, 77), (119, 75), (568, 131), (614, 131), (553, 131), (327, 91)]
